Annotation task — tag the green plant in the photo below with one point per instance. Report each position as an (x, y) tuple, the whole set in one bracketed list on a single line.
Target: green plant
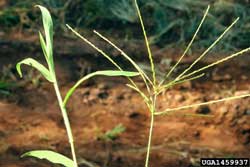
[(155, 87), (50, 75), (170, 21), (113, 133), (4, 87)]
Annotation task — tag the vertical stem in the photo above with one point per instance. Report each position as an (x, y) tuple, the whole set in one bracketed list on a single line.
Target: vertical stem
[(66, 122), (152, 111), (149, 139)]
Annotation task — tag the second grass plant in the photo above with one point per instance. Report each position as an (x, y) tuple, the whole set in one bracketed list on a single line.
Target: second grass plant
[(155, 87)]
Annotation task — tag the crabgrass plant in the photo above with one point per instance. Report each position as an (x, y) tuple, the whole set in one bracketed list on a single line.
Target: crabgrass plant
[(154, 87), (50, 75)]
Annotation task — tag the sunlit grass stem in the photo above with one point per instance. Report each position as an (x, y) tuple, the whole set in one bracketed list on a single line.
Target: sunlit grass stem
[(152, 112), (66, 122)]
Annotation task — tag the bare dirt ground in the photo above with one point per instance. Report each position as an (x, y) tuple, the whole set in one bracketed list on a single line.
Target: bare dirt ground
[(30, 119)]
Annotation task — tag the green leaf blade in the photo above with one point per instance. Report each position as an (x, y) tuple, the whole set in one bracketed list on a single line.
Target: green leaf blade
[(5, 85), (110, 73), (33, 63), (114, 133), (43, 46), (48, 29), (51, 156)]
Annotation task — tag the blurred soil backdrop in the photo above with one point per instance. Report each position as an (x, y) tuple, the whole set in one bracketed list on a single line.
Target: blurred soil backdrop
[(109, 121)]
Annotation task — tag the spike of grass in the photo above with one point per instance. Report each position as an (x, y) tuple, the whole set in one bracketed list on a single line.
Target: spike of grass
[(109, 58), (217, 62), (188, 47), (142, 73), (177, 113), (199, 115), (147, 43), (167, 86), (208, 49), (95, 47), (145, 98), (201, 104)]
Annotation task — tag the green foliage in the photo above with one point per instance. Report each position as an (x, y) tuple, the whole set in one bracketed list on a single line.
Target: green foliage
[(123, 10), (8, 18), (47, 48), (48, 29), (170, 21), (33, 63), (21, 13), (51, 156), (113, 133), (50, 75), (5, 87)]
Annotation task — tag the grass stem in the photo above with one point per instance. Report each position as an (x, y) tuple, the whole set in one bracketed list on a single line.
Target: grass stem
[(152, 109), (66, 122), (149, 140)]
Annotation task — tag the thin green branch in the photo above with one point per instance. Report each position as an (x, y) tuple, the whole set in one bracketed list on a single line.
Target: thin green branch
[(147, 43), (145, 98), (95, 47), (66, 122), (149, 139), (169, 110), (199, 115), (181, 114), (208, 49), (188, 47), (217, 62), (106, 56), (142, 73), (164, 87), (152, 111)]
